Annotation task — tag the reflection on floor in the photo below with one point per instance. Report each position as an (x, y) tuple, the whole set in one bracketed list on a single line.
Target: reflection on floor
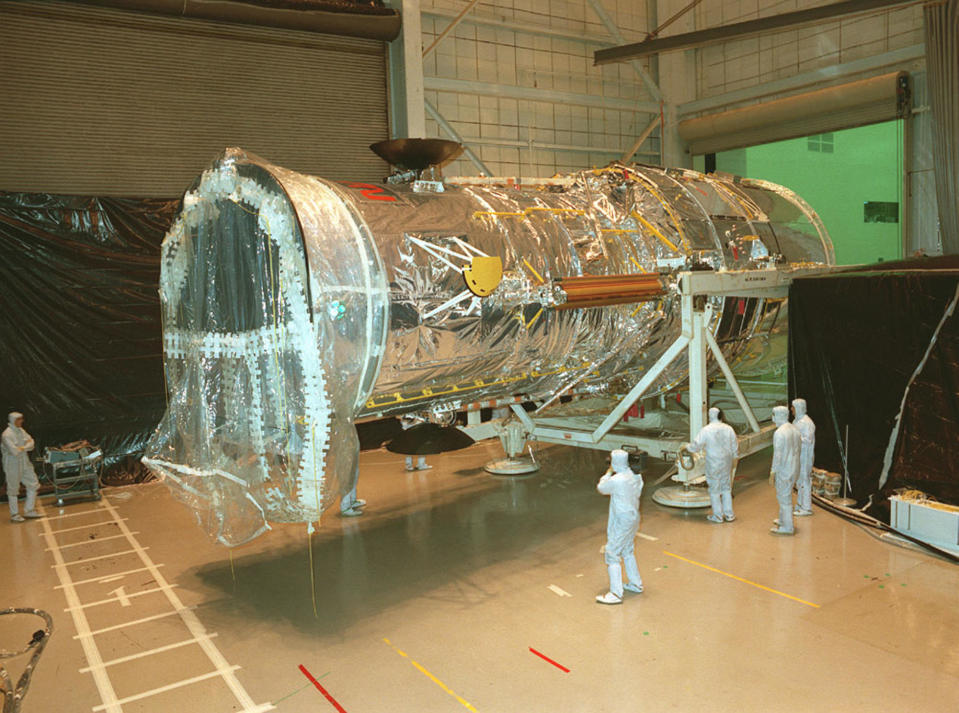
[(459, 591)]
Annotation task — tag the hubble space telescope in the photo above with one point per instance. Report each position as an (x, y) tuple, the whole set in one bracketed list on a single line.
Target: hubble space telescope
[(294, 306)]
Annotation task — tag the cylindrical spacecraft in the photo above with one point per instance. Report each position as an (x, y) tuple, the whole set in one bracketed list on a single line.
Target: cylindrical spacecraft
[(293, 305)]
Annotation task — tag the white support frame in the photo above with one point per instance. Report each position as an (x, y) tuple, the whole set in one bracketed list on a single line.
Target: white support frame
[(696, 338)]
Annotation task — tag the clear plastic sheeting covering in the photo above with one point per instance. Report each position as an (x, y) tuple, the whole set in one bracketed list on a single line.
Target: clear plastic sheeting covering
[(293, 305)]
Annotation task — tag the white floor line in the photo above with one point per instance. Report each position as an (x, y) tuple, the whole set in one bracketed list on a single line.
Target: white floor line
[(104, 687), (125, 624), (114, 578), (70, 514), (142, 654), (559, 591), (81, 527), (197, 630), (104, 578), (114, 600), (647, 537), (168, 687), (91, 542), (98, 557)]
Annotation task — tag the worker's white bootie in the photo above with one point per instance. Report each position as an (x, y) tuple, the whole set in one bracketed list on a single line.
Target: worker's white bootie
[(799, 512), (728, 513), (615, 579), (32, 514), (716, 501), (635, 582), (781, 531), (786, 517), (16, 518), (609, 598)]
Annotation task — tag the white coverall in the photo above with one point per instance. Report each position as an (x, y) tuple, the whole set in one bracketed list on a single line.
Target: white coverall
[(407, 422), (785, 467), (719, 441), (350, 505), (807, 434), (623, 487), (16, 447)]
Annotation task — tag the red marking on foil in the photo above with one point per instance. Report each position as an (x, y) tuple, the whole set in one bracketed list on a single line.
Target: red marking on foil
[(679, 398), (322, 690), (547, 658), (642, 412), (741, 307), (735, 252), (370, 191)]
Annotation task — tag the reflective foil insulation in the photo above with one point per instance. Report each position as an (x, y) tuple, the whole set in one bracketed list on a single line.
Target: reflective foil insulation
[(293, 305)]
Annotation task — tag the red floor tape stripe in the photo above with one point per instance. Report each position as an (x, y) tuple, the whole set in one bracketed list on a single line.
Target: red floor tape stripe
[(322, 690), (547, 658)]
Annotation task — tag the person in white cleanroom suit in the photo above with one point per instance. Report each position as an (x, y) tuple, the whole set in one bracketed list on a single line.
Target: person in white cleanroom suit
[(807, 436), (623, 487), (785, 468), (350, 505), (407, 422), (16, 448), (719, 441)]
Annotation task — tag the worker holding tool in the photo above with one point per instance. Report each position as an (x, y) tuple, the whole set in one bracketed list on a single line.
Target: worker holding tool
[(623, 487)]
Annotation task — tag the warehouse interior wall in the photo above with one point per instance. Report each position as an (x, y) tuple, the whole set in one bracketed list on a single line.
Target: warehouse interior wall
[(515, 79), (100, 101), (744, 63)]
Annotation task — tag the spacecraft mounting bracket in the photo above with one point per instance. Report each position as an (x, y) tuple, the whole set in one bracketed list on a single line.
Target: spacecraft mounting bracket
[(697, 339)]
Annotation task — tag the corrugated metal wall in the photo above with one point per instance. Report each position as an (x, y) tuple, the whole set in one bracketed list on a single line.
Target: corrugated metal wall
[(105, 102)]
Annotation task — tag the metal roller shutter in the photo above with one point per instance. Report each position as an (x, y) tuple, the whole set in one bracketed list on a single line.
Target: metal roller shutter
[(868, 101), (107, 102)]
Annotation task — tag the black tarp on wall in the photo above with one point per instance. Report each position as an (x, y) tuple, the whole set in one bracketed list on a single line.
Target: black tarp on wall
[(80, 338), (857, 340), (80, 332)]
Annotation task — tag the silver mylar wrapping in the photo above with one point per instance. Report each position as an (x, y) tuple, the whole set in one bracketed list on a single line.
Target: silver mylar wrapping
[(293, 305)]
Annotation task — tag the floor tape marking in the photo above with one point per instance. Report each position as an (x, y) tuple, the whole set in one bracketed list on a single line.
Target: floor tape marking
[(430, 676), (547, 658), (746, 581)]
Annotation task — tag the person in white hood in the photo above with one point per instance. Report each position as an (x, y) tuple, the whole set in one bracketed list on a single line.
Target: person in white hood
[(623, 487), (16, 447), (721, 444), (784, 469), (807, 450)]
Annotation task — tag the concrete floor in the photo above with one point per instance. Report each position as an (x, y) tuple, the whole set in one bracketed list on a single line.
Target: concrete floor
[(435, 598)]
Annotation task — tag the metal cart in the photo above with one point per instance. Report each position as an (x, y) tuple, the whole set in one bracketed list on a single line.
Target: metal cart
[(74, 471)]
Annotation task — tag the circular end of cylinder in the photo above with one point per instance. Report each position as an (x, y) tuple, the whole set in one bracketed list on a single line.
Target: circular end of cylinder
[(511, 467), (678, 496)]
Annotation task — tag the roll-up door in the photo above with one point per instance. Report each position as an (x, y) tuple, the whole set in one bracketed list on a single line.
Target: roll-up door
[(108, 102), (845, 106)]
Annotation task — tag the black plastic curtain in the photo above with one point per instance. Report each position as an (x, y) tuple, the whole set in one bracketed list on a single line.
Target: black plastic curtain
[(873, 345), (80, 340)]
